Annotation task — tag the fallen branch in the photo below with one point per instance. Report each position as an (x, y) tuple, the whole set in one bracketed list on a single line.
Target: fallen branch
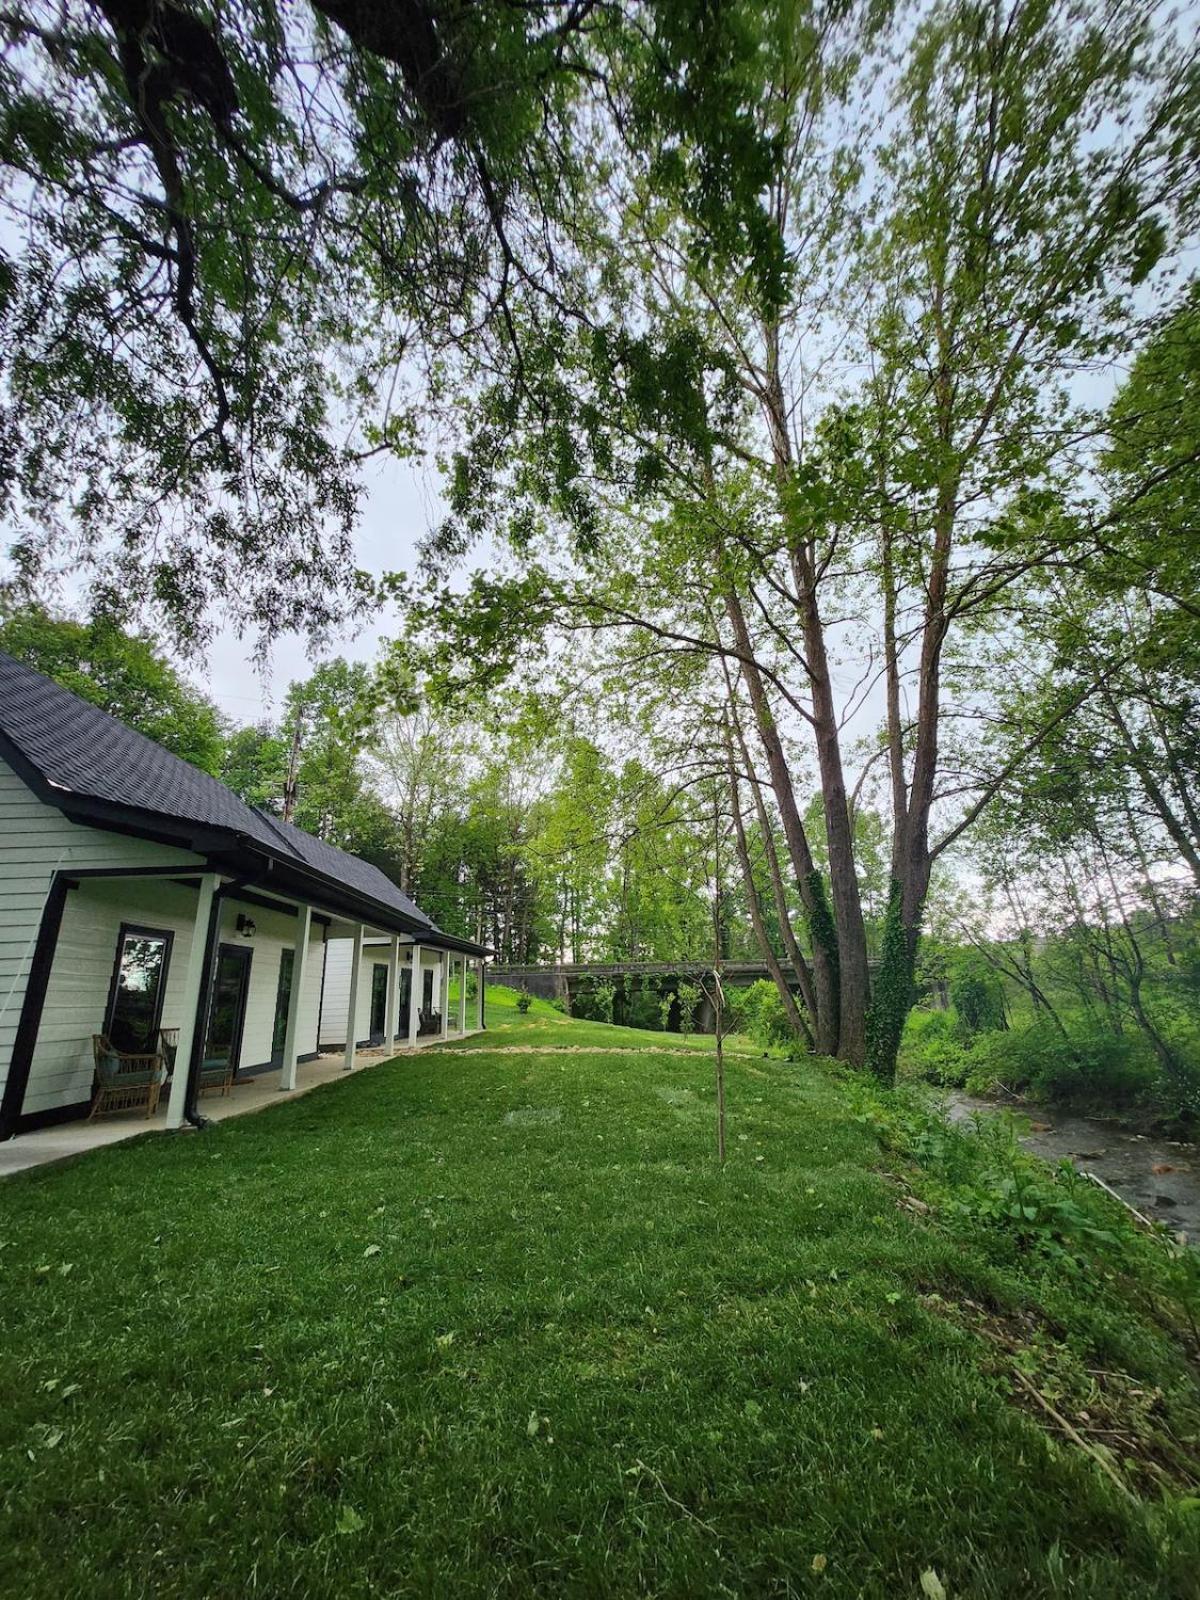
[(1074, 1435), (1133, 1210)]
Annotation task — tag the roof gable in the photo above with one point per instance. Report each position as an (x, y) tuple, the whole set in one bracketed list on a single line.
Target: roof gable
[(77, 750)]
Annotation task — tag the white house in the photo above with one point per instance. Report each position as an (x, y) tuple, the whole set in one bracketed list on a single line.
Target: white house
[(437, 1010), (138, 895)]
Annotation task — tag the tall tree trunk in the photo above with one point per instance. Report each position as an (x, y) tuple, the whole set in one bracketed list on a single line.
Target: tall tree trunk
[(854, 986), (822, 931), (754, 905), (795, 955), (912, 860), (848, 944)]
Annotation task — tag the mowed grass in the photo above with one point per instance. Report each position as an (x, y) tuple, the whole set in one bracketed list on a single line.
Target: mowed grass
[(483, 1324)]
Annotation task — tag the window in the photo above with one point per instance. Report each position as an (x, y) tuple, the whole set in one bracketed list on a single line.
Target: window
[(379, 989), (283, 997), (135, 1005)]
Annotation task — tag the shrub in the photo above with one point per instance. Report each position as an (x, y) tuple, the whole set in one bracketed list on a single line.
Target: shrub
[(1095, 1066), (763, 1016), (977, 996), (643, 1009), (524, 1001), (606, 993), (594, 1002), (689, 1000), (736, 1011), (931, 1049)]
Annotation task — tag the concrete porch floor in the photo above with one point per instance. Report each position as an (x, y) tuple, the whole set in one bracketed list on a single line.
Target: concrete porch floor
[(69, 1139)]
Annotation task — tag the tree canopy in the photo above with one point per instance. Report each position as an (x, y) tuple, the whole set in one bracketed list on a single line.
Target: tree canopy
[(244, 243), (124, 674)]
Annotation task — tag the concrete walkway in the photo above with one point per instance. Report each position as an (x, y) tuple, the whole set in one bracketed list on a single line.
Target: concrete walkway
[(250, 1094)]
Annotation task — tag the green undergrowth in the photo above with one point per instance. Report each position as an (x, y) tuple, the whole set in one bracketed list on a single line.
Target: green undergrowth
[(480, 1323), (1108, 1326), (1087, 1067)]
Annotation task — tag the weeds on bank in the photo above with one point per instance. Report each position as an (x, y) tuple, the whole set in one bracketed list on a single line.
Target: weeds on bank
[(1059, 1242)]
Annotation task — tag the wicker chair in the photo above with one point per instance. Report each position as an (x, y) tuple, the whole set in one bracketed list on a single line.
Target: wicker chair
[(215, 1076), (124, 1082)]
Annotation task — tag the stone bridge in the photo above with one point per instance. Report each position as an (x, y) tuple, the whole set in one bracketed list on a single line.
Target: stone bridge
[(565, 981)]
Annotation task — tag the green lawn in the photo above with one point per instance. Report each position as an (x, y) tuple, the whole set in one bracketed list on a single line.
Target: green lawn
[(486, 1324)]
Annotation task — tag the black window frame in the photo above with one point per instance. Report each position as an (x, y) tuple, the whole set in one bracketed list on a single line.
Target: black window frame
[(232, 947), (140, 931), (379, 991), (284, 951)]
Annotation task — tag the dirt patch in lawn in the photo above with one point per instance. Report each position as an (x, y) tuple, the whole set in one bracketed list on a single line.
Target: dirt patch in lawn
[(597, 1050)]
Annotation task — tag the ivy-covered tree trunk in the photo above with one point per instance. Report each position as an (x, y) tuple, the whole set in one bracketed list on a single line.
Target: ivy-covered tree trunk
[(892, 991)]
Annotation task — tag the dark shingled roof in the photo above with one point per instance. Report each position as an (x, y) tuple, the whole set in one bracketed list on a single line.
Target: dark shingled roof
[(79, 750)]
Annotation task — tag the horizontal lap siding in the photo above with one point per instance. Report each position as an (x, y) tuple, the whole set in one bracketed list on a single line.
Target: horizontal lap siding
[(81, 979), (336, 1007), (337, 991), (274, 932), (35, 840)]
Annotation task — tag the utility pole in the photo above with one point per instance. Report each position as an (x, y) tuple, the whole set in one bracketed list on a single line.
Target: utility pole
[(293, 769)]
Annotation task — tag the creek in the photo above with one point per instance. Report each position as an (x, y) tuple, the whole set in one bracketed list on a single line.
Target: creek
[(1160, 1177)]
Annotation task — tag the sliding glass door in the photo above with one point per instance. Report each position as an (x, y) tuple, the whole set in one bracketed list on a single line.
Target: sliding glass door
[(227, 1013)]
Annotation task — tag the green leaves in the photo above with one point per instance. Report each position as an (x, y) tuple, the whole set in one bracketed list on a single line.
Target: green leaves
[(349, 1521), (125, 674), (220, 271)]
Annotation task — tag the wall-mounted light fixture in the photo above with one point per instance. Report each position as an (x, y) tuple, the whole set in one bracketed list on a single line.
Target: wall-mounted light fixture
[(245, 925)]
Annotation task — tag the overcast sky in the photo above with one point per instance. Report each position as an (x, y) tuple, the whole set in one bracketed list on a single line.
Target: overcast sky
[(400, 506)]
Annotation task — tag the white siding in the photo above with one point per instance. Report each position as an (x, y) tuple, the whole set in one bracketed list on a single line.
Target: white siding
[(274, 933), (336, 1004), (336, 1000), (35, 840), (80, 980)]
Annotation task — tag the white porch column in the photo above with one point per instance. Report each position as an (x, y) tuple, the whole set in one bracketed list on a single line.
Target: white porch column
[(482, 981), (415, 991), (291, 1037), (444, 1008), (352, 1017), (194, 981), (392, 1011), (464, 966)]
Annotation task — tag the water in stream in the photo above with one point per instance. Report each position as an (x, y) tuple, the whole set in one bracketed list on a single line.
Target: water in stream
[(1161, 1177)]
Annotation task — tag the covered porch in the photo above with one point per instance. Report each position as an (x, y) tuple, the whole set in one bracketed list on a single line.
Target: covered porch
[(401, 991), (170, 996)]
